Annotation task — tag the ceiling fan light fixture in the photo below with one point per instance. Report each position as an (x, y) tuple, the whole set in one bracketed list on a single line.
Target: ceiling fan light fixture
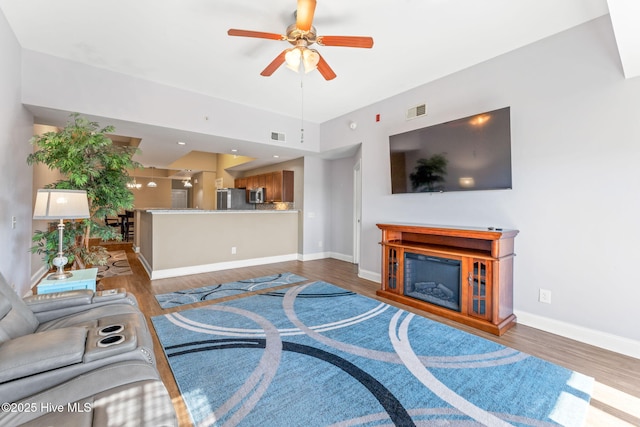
[(310, 59), (292, 59), (301, 35)]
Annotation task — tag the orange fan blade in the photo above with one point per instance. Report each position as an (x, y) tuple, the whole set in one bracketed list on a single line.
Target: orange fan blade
[(274, 64), (325, 70), (256, 34), (345, 41), (304, 14)]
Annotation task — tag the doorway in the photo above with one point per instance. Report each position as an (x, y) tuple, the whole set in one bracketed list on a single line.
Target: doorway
[(357, 211)]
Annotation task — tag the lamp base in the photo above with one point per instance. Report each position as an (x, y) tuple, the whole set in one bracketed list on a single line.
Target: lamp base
[(59, 275), (60, 261)]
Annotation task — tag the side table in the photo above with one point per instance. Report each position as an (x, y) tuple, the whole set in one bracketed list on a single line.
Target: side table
[(81, 279)]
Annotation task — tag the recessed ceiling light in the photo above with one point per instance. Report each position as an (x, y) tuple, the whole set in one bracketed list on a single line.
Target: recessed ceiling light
[(182, 143), (275, 156), (234, 151)]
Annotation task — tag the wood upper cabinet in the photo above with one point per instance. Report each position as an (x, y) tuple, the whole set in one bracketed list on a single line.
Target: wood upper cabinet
[(278, 185), (283, 186)]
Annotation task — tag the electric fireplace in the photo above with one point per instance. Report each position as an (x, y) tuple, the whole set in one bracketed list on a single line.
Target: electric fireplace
[(461, 273), (432, 279)]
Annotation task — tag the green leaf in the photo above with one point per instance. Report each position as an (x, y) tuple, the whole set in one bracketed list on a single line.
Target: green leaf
[(87, 159)]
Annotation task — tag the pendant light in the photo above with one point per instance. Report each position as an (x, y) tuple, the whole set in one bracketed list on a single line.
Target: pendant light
[(152, 183), (133, 184)]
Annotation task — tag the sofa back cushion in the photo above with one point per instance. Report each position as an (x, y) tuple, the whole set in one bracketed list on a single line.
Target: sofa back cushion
[(16, 319)]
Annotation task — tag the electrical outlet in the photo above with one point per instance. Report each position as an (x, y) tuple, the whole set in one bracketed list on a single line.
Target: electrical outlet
[(545, 296), (233, 250)]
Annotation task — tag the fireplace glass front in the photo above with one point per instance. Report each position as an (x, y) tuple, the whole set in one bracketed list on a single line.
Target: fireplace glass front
[(432, 279)]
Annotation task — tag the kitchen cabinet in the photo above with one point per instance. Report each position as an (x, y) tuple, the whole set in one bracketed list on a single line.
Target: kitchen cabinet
[(240, 183), (278, 185)]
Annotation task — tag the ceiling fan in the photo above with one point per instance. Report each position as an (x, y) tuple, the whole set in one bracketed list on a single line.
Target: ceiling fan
[(301, 35)]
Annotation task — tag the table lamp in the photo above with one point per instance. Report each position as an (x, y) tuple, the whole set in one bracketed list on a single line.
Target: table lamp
[(61, 205)]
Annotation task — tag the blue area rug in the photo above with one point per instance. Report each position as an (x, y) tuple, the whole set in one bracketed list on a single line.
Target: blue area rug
[(317, 355), (190, 296)]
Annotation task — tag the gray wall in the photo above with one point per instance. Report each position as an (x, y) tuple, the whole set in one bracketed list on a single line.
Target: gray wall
[(575, 153), (317, 208), (16, 126), (342, 207)]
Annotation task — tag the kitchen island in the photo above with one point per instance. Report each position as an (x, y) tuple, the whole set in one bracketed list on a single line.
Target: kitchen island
[(177, 242)]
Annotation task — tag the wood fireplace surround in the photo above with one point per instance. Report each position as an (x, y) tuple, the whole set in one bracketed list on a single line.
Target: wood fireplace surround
[(486, 259)]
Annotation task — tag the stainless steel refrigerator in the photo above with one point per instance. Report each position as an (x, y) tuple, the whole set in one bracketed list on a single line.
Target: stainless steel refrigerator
[(233, 199)]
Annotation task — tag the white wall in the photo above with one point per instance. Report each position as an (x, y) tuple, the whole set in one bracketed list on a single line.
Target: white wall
[(575, 155), (316, 208), (70, 86), (15, 198), (342, 207)]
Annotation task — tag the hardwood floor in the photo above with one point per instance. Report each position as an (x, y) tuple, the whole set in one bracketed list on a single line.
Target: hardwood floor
[(616, 396)]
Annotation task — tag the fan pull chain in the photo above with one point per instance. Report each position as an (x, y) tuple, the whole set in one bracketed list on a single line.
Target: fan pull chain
[(301, 110)]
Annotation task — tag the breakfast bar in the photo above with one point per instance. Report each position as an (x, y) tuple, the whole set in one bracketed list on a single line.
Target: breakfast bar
[(177, 242)]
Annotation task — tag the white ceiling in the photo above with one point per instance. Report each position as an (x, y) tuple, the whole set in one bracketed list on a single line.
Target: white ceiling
[(184, 43)]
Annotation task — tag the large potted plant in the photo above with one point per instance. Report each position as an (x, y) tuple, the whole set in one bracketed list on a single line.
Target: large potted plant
[(88, 160)]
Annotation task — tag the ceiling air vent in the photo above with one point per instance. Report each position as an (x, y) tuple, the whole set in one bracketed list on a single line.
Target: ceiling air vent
[(277, 136), (417, 111)]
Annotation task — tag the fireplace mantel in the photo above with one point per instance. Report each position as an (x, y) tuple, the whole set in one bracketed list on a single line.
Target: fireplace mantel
[(486, 257)]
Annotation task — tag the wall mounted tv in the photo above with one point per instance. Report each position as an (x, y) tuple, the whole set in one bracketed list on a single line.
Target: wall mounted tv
[(471, 153)]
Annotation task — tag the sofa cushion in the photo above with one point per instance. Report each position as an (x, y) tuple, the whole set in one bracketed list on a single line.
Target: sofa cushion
[(40, 352), (103, 397)]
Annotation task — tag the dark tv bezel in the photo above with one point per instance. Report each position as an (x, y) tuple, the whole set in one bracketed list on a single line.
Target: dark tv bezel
[(507, 162)]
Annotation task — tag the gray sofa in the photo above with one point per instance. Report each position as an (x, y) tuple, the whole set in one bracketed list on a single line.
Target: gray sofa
[(78, 358)]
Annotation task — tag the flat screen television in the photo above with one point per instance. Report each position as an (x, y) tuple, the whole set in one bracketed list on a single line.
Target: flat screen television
[(471, 153)]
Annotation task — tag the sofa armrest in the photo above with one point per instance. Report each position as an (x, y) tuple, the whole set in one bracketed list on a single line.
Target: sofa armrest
[(59, 304), (109, 295), (59, 300), (43, 351)]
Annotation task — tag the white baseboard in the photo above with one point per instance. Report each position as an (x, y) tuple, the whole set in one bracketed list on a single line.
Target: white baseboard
[(600, 339), (370, 275), (207, 268), (341, 257), (324, 255), (313, 257)]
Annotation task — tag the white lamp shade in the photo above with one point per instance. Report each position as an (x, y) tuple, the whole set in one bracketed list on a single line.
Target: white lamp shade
[(292, 59), (310, 59), (61, 204)]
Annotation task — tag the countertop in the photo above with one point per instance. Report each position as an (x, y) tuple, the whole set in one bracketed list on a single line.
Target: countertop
[(217, 212)]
